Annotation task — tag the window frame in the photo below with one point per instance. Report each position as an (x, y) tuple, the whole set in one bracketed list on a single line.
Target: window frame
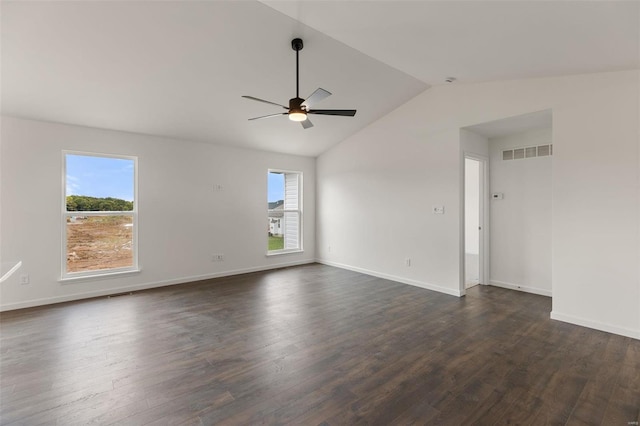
[(299, 211), (134, 268)]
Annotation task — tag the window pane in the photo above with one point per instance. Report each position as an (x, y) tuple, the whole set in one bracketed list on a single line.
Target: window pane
[(99, 183), (275, 227), (99, 242), (275, 208)]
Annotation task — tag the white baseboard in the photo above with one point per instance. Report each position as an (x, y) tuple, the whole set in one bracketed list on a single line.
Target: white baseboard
[(596, 325), (402, 280), (534, 290), (144, 286)]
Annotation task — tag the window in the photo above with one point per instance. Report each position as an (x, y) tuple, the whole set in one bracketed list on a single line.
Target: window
[(99, 218), (284, 201)]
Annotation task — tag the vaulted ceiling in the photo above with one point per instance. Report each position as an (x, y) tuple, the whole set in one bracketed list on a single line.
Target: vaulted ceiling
[(178, 69)]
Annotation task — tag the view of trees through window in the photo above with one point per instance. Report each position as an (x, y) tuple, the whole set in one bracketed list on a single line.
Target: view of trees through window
[(99, 218), (82, 203)]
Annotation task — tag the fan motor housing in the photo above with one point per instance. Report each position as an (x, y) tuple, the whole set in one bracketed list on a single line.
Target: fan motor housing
[(295, 105)]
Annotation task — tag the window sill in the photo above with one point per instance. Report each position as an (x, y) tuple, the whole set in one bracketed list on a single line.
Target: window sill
[(106, 275), (280, 252)]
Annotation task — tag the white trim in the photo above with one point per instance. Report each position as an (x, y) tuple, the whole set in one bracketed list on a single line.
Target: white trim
[(283, 171), (137, 287), (89, 276), (462, 285), (518, 287), (596, 325), (281, 252), (485, 235), (402, 280)]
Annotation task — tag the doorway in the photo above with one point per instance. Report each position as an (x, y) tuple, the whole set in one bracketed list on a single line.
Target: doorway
[(474, 220), (514, 235)]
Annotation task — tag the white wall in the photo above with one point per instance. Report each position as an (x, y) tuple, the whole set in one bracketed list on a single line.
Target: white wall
[(182, 221), (474, 144), (521, 222), (376, 190)]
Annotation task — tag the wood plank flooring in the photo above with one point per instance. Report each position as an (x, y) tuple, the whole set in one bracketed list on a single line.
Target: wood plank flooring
[(312, 345)]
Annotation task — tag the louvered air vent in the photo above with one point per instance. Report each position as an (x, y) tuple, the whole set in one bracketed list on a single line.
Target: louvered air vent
[(544, 150), (527, 152), (518, 153)]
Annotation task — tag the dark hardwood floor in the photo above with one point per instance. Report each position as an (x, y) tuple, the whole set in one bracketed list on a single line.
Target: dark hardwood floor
[(312, 345)]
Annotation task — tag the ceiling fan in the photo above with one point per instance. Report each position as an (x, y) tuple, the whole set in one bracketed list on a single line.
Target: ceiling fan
[(299, 108)]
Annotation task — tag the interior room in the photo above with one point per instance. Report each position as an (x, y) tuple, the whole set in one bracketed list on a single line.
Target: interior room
[(314, 212)]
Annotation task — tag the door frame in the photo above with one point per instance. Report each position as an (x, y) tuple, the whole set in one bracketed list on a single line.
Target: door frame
[(484, 220)]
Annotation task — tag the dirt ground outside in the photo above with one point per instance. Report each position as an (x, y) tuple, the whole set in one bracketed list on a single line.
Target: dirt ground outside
[(99, 242)]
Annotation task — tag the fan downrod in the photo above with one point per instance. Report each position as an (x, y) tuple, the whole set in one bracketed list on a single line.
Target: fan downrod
[(296, 44)]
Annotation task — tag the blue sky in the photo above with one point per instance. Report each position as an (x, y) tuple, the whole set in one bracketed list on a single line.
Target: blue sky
[(100, 176), (276, 187)]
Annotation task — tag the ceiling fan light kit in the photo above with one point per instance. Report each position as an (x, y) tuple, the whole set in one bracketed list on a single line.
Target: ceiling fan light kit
[(297, 116), (296, 110), (299, 108)]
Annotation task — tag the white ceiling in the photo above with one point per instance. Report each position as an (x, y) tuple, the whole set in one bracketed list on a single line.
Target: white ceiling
[(178, 69), (481, 40)]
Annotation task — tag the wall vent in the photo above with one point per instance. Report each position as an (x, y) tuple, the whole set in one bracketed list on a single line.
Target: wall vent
[(531, 151), (518, 153), (527, 152), (544, 150)]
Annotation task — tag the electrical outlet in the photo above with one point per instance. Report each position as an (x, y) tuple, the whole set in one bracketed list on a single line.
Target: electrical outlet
[(438, 209), (218, 257), (218, 187), (407, 262), (24, 279)]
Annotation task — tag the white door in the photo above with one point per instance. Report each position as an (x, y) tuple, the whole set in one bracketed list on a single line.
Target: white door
[(474, 194)]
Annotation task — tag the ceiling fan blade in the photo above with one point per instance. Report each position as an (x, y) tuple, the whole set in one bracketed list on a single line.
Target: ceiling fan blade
[(306, 123), (342, 112), (266, 102), (316, 97), (269, 116)]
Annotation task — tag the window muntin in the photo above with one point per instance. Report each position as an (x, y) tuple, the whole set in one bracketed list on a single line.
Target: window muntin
[(99, 218), (284, 211)]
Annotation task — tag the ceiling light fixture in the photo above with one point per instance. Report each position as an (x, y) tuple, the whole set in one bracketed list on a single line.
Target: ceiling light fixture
[(297, 112), (297, 116)]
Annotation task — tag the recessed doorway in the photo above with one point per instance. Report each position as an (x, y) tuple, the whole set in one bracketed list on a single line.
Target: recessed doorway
[(474, 194), (514, 237)]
